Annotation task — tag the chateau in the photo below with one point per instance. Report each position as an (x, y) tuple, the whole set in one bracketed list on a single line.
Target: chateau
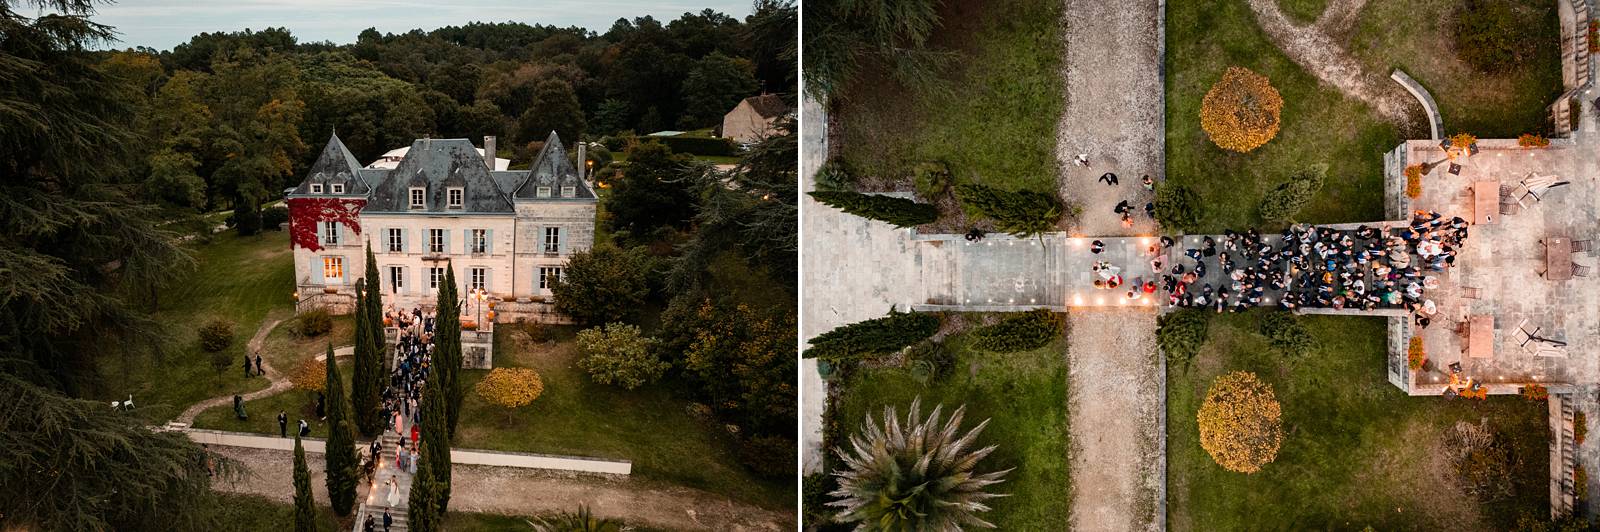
[(508, 233)]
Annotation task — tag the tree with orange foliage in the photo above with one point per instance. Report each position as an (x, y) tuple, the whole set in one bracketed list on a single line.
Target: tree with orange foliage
[(1241, 112), (1415, 355), (311, 376), (1414, 181), (510, 388), (1241, 423)]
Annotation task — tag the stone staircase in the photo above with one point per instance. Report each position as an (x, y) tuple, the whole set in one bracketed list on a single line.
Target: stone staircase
[(939, 272), (1563, 455)]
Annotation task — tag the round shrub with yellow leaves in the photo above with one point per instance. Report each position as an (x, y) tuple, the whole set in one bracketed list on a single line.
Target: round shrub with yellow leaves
[(1240, 112), (510, 387), (1241, 423)]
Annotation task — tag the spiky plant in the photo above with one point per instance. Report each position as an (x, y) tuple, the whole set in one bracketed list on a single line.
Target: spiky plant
[(582, 521), (916, 477)]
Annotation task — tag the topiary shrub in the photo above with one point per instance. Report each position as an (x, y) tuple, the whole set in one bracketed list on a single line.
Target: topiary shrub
[(834, 175), (933, 358), (1241, 112), (1023, 213), (874, 337), (1022, 331), (510, 388), (1284, 201), (1495, 36), (1535, 392), (1178, 207), (1286, 334), (1414, 181), (1530, 140), (931, 178), (216, 335), (313, 323), (1181, 333), (1580, 427), (1241, 424), (899, 212), (619, 354)]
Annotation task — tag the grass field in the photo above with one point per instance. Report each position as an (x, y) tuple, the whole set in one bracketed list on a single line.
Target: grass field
[(263, 412), (1356, 452), (649, 425), (992, 117), (241, 279), (1024, 395), (1319, 124)]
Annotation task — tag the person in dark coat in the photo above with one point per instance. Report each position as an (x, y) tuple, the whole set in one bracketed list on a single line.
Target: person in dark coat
[(247, 373), (387, 520), (259, 371), (283, 424), (322, 412), (305, 429)]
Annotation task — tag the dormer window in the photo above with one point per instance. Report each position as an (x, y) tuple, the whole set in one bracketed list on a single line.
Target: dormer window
[(417, 195), (567, 192), (316, 188), (338, 188), (455, 195), (543, 192)]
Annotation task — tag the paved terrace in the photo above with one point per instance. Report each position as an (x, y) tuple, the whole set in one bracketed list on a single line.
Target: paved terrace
[(1502, 261)]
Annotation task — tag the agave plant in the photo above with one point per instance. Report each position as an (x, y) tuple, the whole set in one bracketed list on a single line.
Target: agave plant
[(582, 521), (916, 477)]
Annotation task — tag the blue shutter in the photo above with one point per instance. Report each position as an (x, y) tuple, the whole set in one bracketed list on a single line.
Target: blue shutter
[(488, 239), (446, 234), (561, 239), (322, 237), (405, 241), (488, 279), (466, 241)]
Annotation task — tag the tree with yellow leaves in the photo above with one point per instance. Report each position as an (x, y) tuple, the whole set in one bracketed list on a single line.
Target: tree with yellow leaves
[(1240, 112), (510, 388), (311, 375), (1241, 422)]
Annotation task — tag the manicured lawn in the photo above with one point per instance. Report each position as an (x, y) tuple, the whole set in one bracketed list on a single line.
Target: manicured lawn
[(241, 279), (574, 416), (991, 116), (1356, 451), (298, 404), (1418, 35), (1024, 397), (1318, 125), (1303, 11)]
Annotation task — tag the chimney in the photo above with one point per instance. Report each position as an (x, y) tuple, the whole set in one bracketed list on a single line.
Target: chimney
[(488, 151), (583, 160)]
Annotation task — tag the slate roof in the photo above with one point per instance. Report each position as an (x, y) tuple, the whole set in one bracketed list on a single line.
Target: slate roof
[(768, 105), (335, 165), (440, 164), (552, 169)]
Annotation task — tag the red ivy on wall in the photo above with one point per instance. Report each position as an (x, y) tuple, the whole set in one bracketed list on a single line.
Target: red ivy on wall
[(306, 213)]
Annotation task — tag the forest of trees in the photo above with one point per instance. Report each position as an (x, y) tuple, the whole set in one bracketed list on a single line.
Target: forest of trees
[(226, 119)]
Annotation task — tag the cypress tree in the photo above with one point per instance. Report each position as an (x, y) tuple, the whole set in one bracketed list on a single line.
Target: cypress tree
[(305, 510), (436, 441), (422, 508), (900, 212), (375, 322), (341, 452), (365, 397), (1023, 213), (875, 336), (447, 349)]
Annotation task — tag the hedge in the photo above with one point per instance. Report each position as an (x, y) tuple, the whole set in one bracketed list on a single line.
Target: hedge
[(900, 212)]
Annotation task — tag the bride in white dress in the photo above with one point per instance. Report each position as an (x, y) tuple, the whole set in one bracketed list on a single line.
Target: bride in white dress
[(394, 493)]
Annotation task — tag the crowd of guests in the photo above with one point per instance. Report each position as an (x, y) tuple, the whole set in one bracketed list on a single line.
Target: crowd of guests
[(1307, 266)]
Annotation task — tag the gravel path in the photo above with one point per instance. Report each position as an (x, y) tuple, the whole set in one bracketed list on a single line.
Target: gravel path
[(280, 382), (1114, 111), (1315, 49), (512, 491), (1117, 400)]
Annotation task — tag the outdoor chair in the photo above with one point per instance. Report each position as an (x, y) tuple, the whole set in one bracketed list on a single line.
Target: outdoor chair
[(1582, 246), (1579, 270), (1509, 208)]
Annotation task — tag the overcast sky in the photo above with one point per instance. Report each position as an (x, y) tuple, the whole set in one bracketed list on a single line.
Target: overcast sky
[(162, 24)]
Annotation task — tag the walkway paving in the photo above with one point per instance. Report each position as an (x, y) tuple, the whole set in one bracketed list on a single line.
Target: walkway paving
[(1114, 111), (813, 392), (280, 382), (1116, 411), (511, 491)]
